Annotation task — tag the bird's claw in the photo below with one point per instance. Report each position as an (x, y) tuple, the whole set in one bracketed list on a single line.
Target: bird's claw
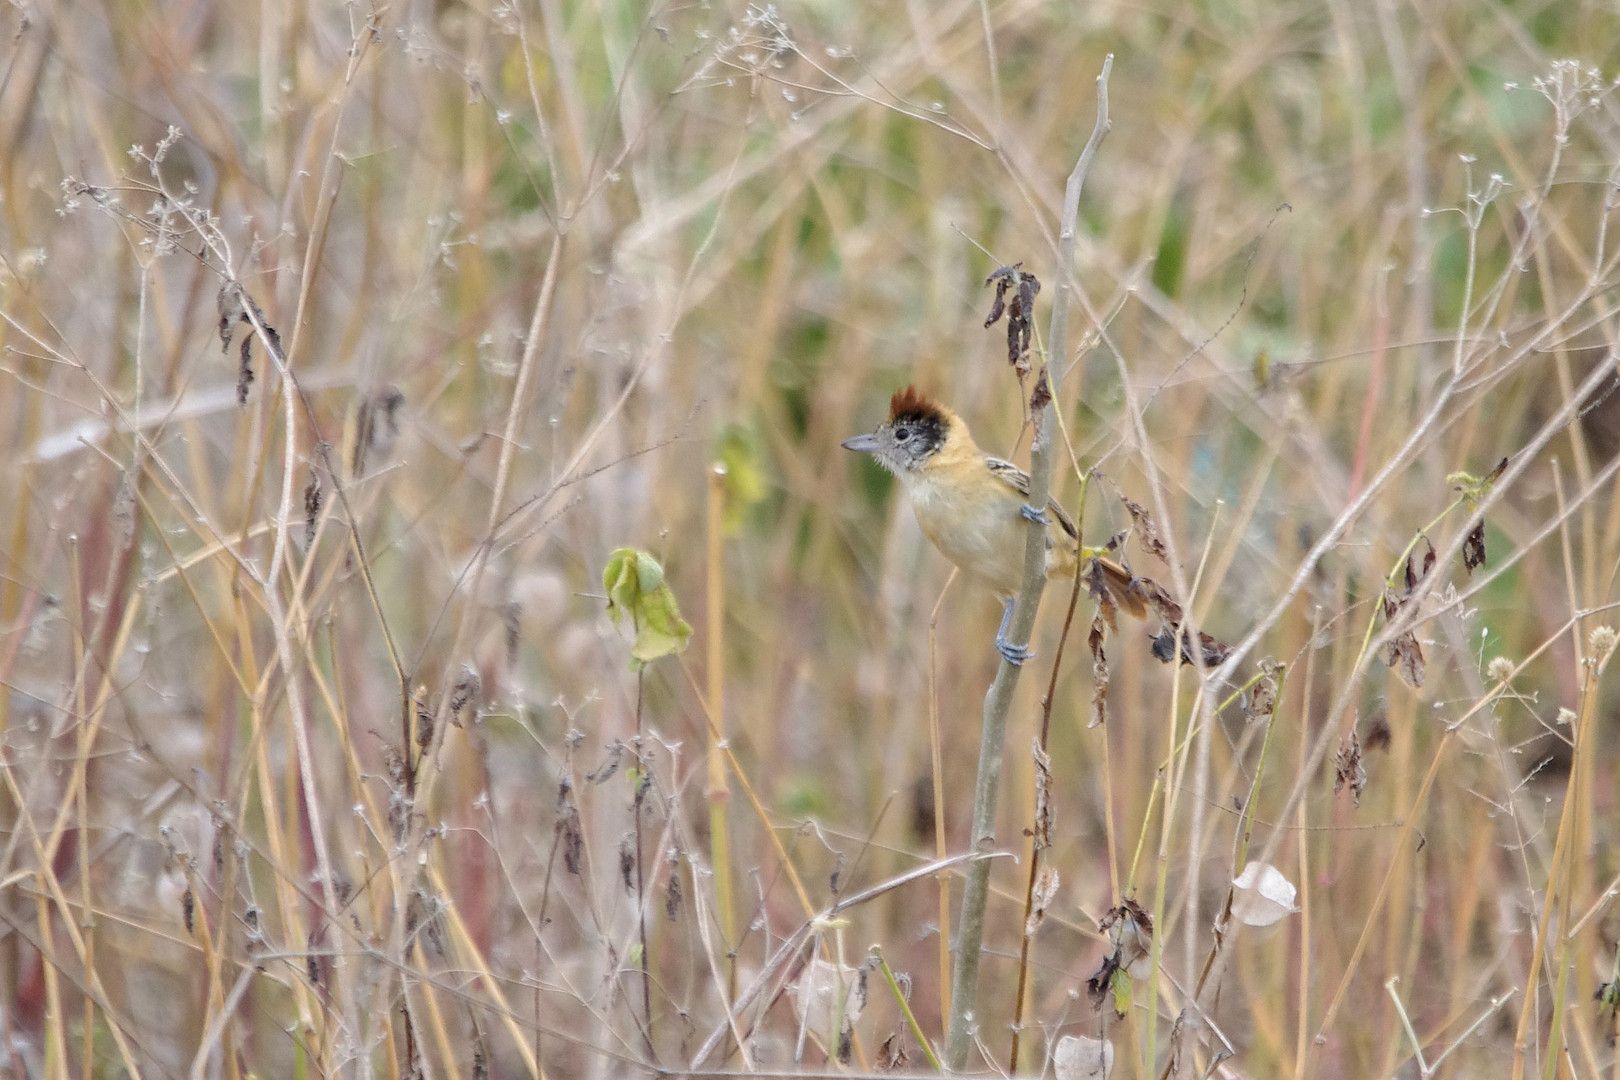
[(1035, 514), (1013, 654)]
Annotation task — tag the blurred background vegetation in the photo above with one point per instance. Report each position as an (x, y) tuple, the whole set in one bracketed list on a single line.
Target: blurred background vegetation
[(322, 757)]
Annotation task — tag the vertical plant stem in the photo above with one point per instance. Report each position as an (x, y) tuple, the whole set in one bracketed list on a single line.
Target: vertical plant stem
[(1040, 841), (937, 754), (998, 701), (641, 881), (905, 1008), (719, 792)]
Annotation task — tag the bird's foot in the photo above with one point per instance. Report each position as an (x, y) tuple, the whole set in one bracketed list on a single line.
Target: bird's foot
[(1013, 654), (1031, 513)]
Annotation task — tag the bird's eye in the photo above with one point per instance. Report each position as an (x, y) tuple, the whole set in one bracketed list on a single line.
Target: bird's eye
[(902, 434)]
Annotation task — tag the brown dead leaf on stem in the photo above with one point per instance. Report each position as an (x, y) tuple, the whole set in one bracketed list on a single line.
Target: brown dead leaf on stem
[(1405, 655), (1041, 834), (1212, 651), (1147, 530), (236, 306), (1015, 296), (1099, 673), (1474, 490), (1097, 588), (1473, 552), (1348, 771), (1260, 702), (569, 828), (1130, 929)]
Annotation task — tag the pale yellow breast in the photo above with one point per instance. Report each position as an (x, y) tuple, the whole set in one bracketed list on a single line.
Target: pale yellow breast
[(974, 520)]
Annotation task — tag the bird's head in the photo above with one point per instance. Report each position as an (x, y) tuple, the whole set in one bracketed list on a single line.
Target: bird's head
[(916, 429)]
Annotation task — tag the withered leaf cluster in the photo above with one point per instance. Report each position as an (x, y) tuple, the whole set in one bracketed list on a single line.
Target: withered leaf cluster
[(1041, 897), (672, 892), (236, 306), (1130, 928), (1041, 834), (1475, 488), (1473, 552), (1348, 771), (313, 498), (1016, 289), (570, 831), (1405, 655), (627, 862), (1114, 585), (1211, 651), (1099, 672), (892, 1056), (1147, 531), (1261, 701)]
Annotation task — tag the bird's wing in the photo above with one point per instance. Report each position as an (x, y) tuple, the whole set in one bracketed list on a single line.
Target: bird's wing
[(1018, 479)]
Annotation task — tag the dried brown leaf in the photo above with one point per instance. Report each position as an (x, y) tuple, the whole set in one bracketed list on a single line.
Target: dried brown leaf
[(1147, 530), (892, 1056), (313, 498), (1348, 771), (424, 719), (229, 303), (1015, 296), (1099, 673), (1406, 657), (1261, 701), (244, 370), (1097, 588), (1102, 981), (1130, 928), (1473, 551), (1159, 599), (672, 891), (1041, 835), (627, 862), (1041, 897), (1213, 651), (569, 829)]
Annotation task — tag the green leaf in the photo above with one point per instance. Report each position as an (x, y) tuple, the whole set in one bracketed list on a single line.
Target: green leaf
[(1122, 991), (635, 586)]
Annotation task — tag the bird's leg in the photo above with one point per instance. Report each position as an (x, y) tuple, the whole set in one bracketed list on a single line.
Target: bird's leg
[(1014, 654), (1035, 514)]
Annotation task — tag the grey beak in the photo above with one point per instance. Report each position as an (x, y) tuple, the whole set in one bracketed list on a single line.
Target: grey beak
[(865, 444)]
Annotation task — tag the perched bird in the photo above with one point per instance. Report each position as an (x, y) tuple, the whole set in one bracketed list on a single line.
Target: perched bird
[(974, 507)]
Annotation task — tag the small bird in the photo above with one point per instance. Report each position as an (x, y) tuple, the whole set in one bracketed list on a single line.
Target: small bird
[(975, 508)]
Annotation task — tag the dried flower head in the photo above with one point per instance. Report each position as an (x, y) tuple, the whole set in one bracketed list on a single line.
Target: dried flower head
[(1601, 644)]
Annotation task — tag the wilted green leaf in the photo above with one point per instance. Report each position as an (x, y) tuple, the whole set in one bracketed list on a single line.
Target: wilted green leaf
[(635, 586), (1121, 986)]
